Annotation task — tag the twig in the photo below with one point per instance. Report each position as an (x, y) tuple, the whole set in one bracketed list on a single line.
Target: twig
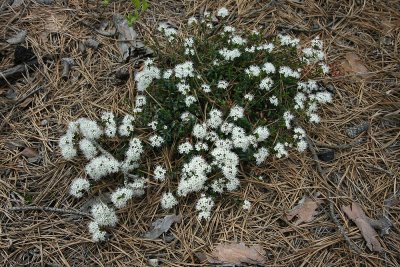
[(331, 207), (16, 70), (342, 146), (57, 210)]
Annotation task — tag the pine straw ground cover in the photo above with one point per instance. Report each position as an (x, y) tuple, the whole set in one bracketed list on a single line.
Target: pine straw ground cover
[(366, 173)]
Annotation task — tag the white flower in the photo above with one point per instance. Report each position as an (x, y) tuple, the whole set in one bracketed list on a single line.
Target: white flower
[(87, 148), (189, 100), (253, 71), (229, 54), (262, 133), (299, 99), (189, 51), (159, 173), (89, 129), (215, 118), (280, 150), (266, 83), (185, 148), (246, 205), (325, 68), (170, 33), (218, 186), (314, 118), (267, 47), (101, 166), (184, 70), (287, 40), (250, 49), (301, 145), (167, 74), (189, 42), (241, 140), (137, 186), (103, 215), (274, 100), (78, 186), (200, 131), (186, 116), (249, 97), (145, 77), (201, 146), (135, 149), (192, 20), (140, 101), (261, 155), (222, 12), (238, 40), (121, 196), (111, 126), (288, 117), (236, 112), (206, 88), (229, 29), (288, 72), (268, 68), (323, 97), (126, 127), (67, 146), (183, 88), (204, 206), (227, 127), (168, 201), (193, 176), (299, 133), (97, 234), (222, 84), (153, 125), (156, 140)]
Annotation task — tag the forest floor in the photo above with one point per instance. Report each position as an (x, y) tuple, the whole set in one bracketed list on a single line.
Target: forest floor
[(362, 40)]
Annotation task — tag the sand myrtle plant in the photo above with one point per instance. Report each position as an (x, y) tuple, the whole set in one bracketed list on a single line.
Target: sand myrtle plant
[(217, 98)]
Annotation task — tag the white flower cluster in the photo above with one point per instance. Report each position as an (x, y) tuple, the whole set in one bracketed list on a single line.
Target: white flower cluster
[(246, 205), (223, 12), (103, 216), (288, 72), (168, 32), (159, 173), (194, 175), (189, 42), (168, 201), (229, 54), (184, 70), (78, 186), (315, 54), (145, 77), (204, 206), (288, 40), (300, 137), (121, 196)]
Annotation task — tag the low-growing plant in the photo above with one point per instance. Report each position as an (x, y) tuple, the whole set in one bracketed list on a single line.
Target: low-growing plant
[(220, 98), (139, 6)]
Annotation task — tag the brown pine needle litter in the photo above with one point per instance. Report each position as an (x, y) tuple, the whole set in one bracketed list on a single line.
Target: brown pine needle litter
[(366, 173)]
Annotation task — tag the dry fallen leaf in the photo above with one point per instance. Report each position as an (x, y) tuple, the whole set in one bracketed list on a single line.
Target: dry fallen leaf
[(305, 210), (357, 215), (162, 225), (237, 253), (353, 64), (29, 152)]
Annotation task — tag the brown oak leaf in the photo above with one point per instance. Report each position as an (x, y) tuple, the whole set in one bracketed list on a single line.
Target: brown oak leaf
[(353, 64), (305, 210), (357, 215), (237, 254)]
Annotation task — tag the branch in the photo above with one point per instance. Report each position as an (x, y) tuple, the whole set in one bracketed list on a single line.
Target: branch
[(56, 210)]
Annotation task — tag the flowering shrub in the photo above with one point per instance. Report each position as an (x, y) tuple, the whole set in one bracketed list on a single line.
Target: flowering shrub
[(216, 99)]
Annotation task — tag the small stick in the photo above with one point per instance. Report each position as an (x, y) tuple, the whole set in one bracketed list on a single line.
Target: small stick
[(342, 146), (16, 70), (57, 210), (331, 208)]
